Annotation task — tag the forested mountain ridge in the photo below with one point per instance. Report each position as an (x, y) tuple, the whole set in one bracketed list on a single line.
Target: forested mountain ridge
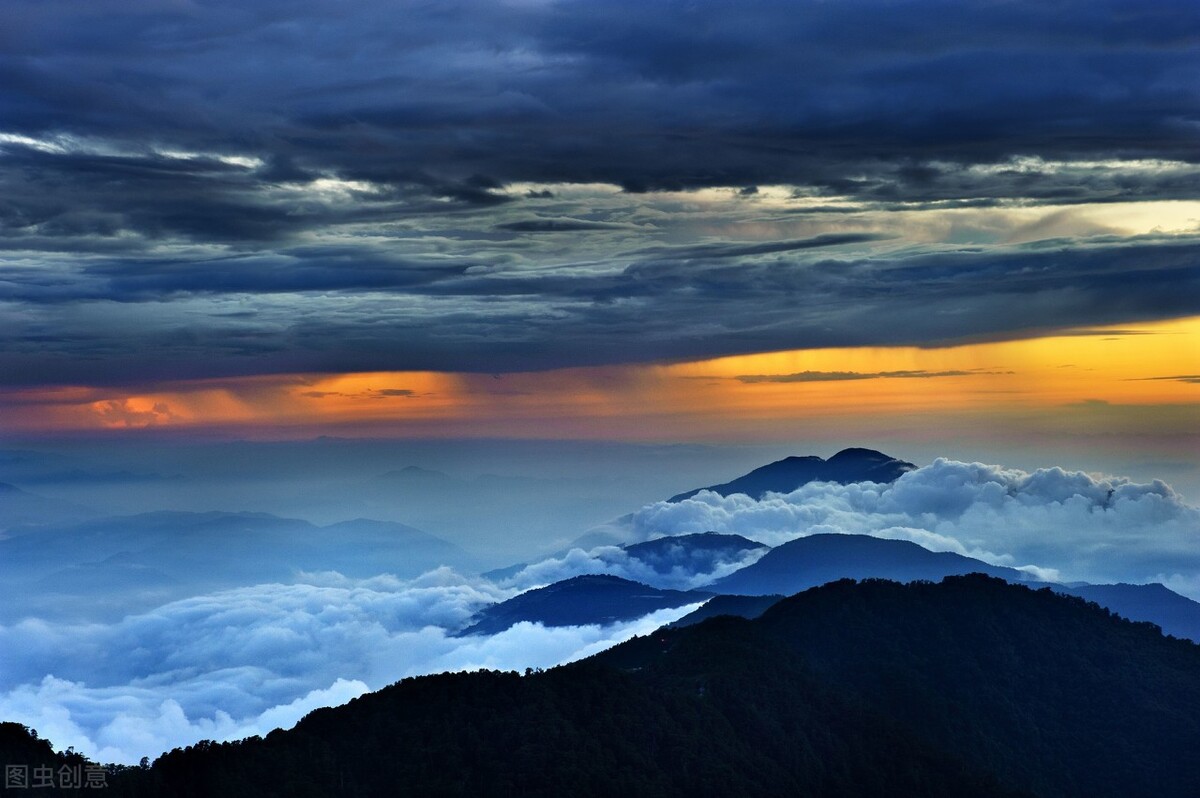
[(967, 687)]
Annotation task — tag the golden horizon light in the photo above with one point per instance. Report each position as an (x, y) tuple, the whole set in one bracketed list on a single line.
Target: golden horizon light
[(1152, 363)]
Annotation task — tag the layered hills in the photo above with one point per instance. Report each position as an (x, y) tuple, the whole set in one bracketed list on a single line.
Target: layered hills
[(971, 686)]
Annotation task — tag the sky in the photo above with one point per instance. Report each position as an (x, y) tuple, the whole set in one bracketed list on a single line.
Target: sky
[(674, 222), (510, 270)]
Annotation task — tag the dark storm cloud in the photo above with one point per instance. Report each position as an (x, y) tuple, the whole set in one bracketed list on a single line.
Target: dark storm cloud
[(557, 226), (648, 311), (217, 188), (289, 272), (101, 201), (299, 272), (663, 95), (720, 251), (667, 310), (962, 184)]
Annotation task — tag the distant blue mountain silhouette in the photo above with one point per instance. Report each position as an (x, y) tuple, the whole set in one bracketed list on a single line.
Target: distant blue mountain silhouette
[(801, 564), (699, 552), (20, 508), (109, 567), (592, 599), (749, 607), (784, 476), (817, 559), (796, 566), (1174, 614)]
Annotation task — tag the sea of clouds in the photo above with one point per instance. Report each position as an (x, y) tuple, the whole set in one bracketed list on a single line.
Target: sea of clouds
[(245, 661)]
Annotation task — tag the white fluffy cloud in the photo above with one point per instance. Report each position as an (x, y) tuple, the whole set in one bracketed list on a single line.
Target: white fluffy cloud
[(123, 723), (685, 574), (1051, 521), (245, 661)]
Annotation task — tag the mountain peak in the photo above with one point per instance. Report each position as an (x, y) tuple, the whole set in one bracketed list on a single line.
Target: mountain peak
[(416, 474), (784, 476), (607, 580), (855, 453)]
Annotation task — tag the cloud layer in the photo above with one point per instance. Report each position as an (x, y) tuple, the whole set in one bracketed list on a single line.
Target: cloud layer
[(682, 573), (488, 185), (246, 661), (454, 101), (1061, 524)]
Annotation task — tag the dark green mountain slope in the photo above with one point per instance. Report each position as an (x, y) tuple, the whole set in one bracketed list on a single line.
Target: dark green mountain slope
[(728, 713), (1045, 691), (967, 687)]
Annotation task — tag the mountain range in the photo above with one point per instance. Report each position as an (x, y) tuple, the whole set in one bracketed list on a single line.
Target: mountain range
[(815, 560), (111, 566), (812, 561), (971, 686), (20, 508), (832, 664)]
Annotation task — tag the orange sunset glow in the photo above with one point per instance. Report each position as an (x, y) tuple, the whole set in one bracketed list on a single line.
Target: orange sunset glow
[(1145, 364)]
